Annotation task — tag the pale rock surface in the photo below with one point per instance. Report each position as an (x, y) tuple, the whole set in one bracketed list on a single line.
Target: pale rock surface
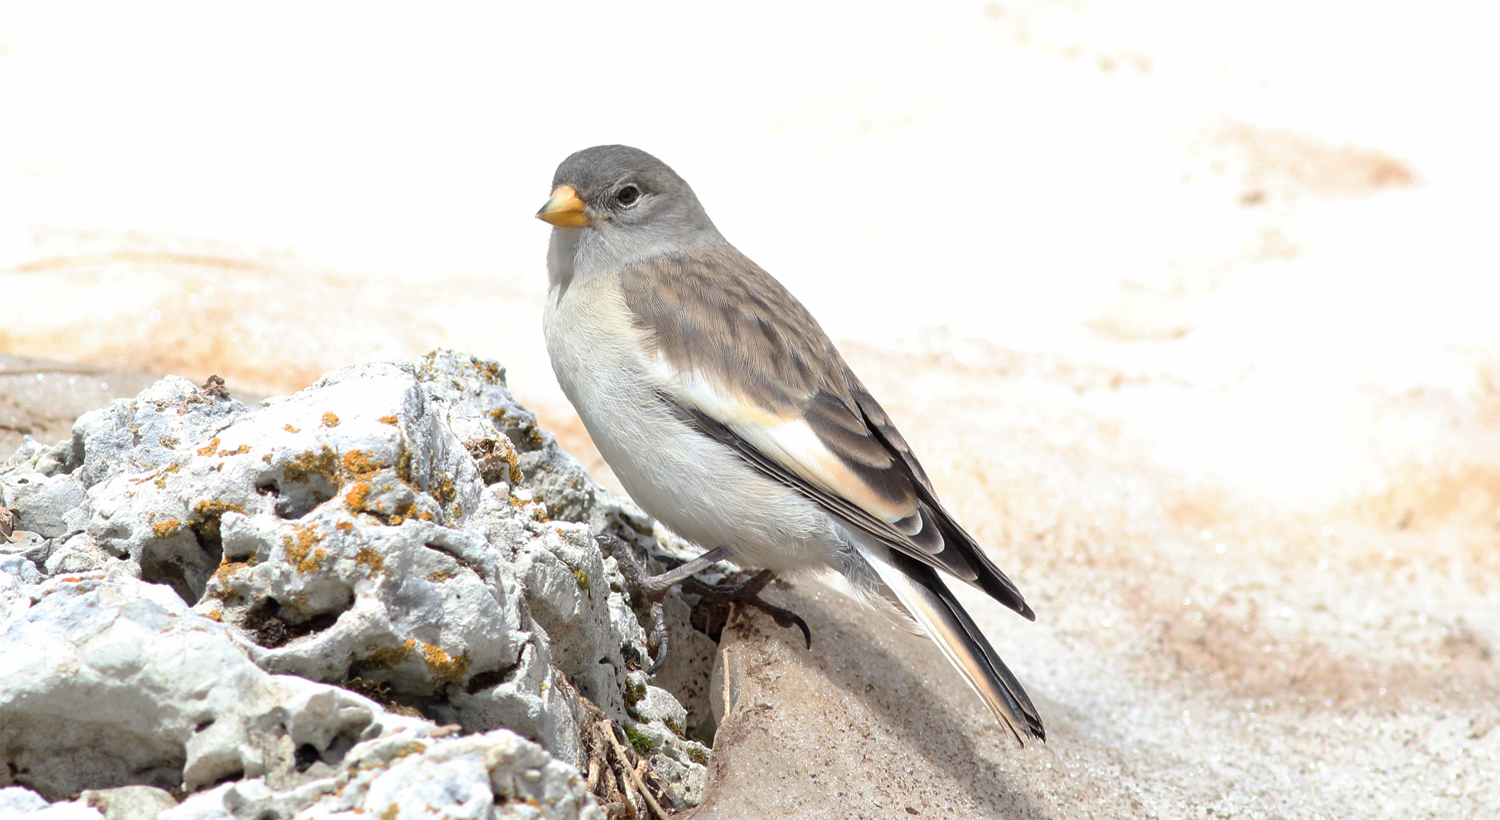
[(415, 773), (128, 802), (193, 582)]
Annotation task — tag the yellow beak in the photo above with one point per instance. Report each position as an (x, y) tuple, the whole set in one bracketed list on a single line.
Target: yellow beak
[(564, 209)]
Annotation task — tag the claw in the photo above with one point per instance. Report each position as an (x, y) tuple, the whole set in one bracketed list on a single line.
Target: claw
[(748, 594), (659, 635), (654, 589)]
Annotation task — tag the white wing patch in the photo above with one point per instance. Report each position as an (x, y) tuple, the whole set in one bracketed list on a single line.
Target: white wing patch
[(787, 439)]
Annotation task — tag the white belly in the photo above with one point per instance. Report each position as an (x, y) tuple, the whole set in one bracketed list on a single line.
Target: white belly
[(694, 485)]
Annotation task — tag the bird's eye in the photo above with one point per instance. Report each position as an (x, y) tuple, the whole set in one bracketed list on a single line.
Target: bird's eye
[(628, 195)]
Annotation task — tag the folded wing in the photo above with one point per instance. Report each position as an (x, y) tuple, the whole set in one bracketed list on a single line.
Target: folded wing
[(746, 363)]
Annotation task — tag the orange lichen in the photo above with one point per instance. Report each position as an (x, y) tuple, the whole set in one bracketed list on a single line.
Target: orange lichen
[(358, 496), (444, 490), (387, 658), (303, 551), (322, 462), (209, 512), (370, 558), (166, 529), (359, 463), (444, 666), (387, 420), (210, 448), (226, 571), (290, 429), (330, 420), (403, 468)]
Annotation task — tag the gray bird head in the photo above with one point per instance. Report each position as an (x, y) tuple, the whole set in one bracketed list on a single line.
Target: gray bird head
[(621, 203)]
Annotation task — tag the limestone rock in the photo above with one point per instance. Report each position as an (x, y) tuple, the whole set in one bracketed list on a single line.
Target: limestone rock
[(207, 583)]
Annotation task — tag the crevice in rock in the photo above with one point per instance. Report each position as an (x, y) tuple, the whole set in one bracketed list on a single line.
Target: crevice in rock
[(295, 502), (170, 572), (271, 625), (237, 774), (305, 756), (451, 553), (381, 693), (205, 526), (494, 677), (494, 462)]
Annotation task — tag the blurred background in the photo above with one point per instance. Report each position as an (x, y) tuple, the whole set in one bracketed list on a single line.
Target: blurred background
[(1190, 309)]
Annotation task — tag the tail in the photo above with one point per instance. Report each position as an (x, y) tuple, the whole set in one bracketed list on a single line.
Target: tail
[(932, 605)]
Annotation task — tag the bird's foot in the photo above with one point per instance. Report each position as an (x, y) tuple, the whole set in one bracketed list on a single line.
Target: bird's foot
[(654, 588), (748, 594)]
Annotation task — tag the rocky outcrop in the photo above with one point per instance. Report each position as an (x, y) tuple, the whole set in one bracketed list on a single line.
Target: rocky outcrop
[(384, 585)]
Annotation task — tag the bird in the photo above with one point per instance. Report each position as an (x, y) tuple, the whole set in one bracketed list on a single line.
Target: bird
[(729, 416)]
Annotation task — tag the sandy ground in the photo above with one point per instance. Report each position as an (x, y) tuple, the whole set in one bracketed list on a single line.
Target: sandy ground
[(1188, 310)]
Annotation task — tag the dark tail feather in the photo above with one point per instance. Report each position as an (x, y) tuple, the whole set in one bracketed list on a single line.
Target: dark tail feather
[(930, 602)]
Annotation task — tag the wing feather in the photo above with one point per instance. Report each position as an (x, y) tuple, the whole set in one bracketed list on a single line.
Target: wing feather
[(746, 364)]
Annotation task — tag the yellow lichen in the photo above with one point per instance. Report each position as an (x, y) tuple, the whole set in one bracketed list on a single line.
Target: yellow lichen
[(210, 448), (290, 429), (302, 551), (168, 442), (238, 451), (209, 512), (166, 529), (370, 558), (387, 658), (444, 490), (515, 467), (330, 420), (444, 666), (358, 496), (226, 571), (215, 615), (403, 468), (359, 463), (322, 462)]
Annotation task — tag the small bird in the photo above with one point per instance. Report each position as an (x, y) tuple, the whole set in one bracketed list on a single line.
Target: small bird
[(729, 416)]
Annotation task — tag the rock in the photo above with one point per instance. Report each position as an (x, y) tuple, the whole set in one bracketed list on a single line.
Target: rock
[(40, 398), (128, 802), (218, 579), (117, 683), (17, 802), (871, 723), (410, 774)]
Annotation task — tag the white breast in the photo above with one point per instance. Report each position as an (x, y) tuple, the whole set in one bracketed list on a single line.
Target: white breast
[(696, 486)]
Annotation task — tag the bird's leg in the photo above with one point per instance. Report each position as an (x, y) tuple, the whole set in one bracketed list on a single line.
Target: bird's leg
[(654, 588)]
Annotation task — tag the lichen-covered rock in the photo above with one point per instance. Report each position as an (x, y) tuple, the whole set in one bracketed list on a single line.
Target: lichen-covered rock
[(405, 532), (116, 682), (412, 773)]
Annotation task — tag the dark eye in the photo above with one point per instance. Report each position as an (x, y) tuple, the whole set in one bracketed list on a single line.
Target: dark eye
[(628, 195)]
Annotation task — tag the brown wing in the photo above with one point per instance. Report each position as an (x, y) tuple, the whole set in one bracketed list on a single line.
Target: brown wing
[(749, 366)]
